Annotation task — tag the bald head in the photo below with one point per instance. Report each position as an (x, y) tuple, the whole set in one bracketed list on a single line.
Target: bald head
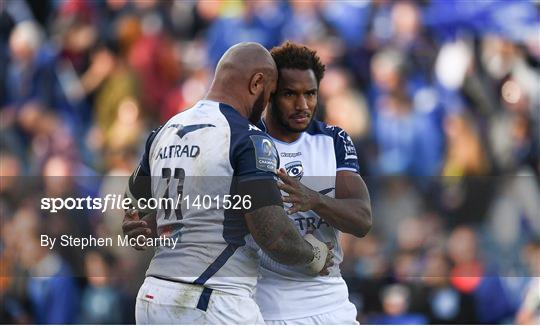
[(244, 59), (245, 77)]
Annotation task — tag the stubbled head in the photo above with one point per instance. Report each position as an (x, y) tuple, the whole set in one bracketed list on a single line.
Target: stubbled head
[(248, 73), (300, 71)]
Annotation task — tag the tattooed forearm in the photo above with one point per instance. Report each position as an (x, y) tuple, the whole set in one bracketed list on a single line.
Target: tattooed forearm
[(277, 236)]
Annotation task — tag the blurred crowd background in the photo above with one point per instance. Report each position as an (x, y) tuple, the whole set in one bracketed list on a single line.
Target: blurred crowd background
[(442, 100)]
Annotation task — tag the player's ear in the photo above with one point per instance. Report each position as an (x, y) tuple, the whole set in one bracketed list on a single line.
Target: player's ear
[(256, 83)]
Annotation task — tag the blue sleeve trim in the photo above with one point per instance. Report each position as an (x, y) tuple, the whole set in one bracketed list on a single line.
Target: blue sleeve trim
[(144, 169), (346, 157)]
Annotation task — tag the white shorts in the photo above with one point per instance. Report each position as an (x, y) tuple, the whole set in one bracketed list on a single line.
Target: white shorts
[(343, 315), (165, 302)]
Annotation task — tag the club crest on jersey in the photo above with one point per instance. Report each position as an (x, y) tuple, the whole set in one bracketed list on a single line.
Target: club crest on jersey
[(295, 169), (266, 157)]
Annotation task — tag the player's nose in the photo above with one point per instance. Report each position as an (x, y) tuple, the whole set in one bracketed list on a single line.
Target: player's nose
[(301, 103)]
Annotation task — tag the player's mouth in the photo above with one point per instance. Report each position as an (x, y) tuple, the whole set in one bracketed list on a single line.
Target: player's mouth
[(301, 118)]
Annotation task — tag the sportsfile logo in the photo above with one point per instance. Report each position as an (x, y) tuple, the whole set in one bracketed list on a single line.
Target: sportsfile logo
[(117, 201)]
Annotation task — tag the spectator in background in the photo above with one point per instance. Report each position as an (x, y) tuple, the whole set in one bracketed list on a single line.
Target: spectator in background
[(364, 271), (11, 310), (190, 90), (49, 137), (37, 76), (116, 83), (28, 85), (100, 302), (467, 268), (396, 200), (52, 290), (367, 257), (471, 276), (445, 304), (10, 188), (387, 75), (74, 33), (395, 134), (396, 303), (12, 284), (513, 220), (28, 73), (465, 165), (64, 177), (153, 57), (344, 106), (126, 127), (258, 22), (408, 142), (109, 12), (408, 38), (513, 137), (465, 155)]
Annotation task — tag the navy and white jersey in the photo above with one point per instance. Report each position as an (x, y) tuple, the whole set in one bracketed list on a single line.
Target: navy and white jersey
[(197, 153), (285, 292)]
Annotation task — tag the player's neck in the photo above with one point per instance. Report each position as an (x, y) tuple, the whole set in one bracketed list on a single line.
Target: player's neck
[(276, 131), (224, 98)]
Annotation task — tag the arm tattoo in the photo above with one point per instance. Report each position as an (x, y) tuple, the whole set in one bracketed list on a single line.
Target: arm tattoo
[(277, 236)]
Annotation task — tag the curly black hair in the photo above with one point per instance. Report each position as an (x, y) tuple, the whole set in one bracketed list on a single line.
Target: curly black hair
[(290, 55)]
